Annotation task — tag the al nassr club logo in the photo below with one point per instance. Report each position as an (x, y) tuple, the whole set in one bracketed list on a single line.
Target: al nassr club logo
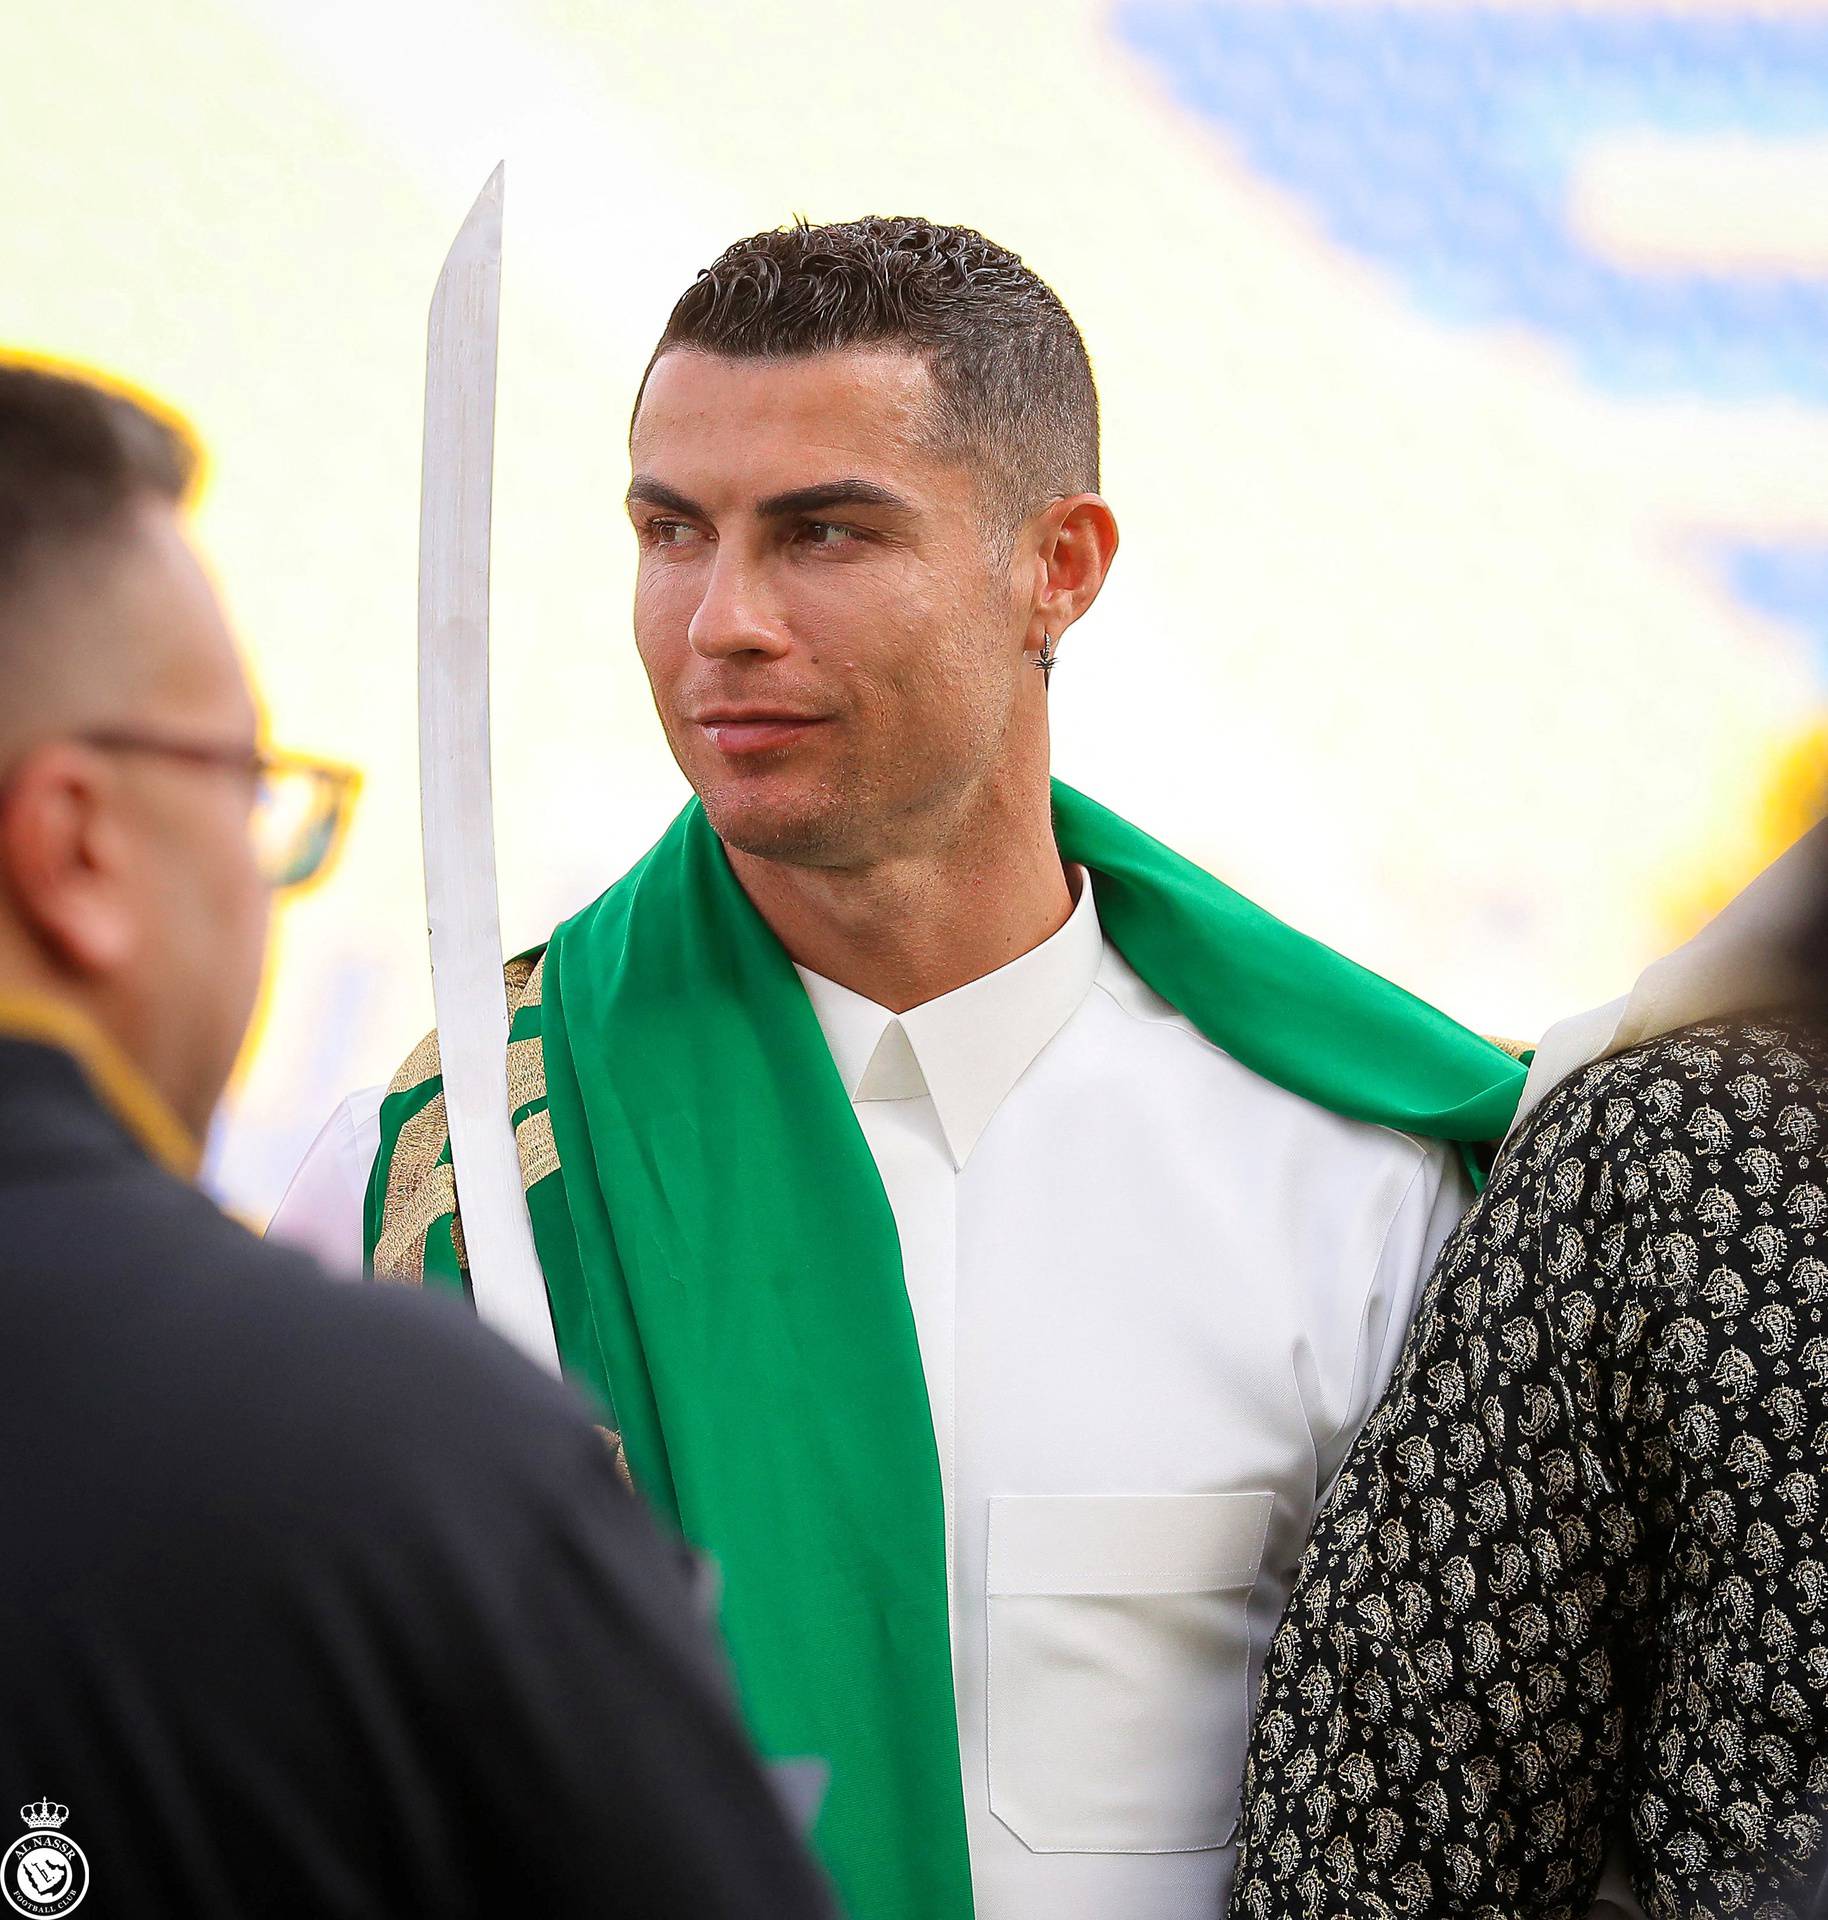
[(43, 1871)]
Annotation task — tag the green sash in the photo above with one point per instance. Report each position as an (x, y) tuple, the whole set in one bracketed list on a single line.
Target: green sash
[(725, 1273)]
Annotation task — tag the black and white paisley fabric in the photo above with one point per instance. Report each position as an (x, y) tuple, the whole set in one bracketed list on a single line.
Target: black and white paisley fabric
[(1574, 1577)]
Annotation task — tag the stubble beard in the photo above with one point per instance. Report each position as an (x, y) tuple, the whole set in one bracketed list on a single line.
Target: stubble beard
[(890, 792), (816, 827)]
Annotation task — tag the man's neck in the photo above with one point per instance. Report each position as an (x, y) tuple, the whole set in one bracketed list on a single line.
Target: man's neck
[(903, 931)]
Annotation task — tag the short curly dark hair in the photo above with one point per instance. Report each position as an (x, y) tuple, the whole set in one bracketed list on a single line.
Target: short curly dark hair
[(1012, 382)]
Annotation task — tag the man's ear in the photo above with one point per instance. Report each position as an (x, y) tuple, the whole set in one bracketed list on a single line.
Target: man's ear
[(65, 857), (1078, 541)]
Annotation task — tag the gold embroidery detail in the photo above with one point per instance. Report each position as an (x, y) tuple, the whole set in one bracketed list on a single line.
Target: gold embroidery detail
[(539, 1152), (457, 1246), (419, 1066), (420, 1191), (400, 1252), (1515, 1048), (416, 1151), (526, 1073), (621, 1452), (536, 981)]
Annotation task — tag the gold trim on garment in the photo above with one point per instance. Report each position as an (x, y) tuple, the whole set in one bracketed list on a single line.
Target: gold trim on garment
[(399, 1254), (620, 1453), (421, 1191), (412, 1186), (526, 1073), (539, 1152), (459, 1250), (419, 1066)]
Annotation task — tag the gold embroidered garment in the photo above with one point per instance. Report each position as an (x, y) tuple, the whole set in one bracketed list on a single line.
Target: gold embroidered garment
[(413, 1223)]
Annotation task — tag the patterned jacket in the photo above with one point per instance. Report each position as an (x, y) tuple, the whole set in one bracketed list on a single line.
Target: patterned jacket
[(1574, 1578)]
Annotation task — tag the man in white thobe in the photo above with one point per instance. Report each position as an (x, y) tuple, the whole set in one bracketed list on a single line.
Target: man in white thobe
[(1155, 1290), (1137, 1407)]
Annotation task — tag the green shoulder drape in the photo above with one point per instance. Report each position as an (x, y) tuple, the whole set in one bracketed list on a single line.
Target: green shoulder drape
[(725, 1273)]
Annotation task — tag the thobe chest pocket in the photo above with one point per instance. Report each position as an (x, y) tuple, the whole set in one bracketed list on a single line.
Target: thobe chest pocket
[(1119, 1667)]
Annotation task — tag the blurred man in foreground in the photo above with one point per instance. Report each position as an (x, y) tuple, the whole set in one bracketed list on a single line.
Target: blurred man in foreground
[(312, 1600)]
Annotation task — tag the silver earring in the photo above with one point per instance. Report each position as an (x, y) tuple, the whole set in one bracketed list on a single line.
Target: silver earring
[(1047, 659)]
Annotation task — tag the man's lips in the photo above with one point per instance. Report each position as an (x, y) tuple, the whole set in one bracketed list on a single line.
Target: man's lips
[(740, 730)]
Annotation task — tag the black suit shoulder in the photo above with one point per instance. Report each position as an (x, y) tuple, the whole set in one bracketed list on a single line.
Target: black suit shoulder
[(332, 1603), (183, 1326)]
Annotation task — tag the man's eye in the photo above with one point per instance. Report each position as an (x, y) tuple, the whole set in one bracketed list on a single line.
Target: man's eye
[(826, 534), (669, 533)]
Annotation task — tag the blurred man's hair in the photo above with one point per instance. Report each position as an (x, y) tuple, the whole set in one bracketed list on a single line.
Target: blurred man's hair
[(75, 459), (1012, 384)]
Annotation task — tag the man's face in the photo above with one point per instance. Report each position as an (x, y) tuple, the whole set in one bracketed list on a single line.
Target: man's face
[(193, 890), (833, 637)]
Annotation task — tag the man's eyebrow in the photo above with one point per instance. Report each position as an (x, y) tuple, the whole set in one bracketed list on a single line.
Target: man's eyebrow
[(644, 488), (830, 493), (656, 493)]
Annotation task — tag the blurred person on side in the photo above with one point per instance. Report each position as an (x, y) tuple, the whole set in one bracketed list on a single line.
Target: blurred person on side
[(1560, 1642), (314, 1600)]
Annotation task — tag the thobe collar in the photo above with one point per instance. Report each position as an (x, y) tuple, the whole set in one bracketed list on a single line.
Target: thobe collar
[(968, 1048)]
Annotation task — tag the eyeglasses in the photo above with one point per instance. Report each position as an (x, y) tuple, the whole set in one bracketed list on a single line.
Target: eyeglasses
[(302, 806)]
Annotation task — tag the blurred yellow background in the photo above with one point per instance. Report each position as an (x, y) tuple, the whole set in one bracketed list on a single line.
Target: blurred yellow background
[(1465, 380)]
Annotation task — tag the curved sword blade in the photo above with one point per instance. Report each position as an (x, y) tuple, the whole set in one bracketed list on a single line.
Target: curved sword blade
[(457, 809)]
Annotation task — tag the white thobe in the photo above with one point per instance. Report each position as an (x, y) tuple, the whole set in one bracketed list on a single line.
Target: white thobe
[(1156, 1297)]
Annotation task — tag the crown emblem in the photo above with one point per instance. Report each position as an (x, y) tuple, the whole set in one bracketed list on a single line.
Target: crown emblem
[(47, 1813)]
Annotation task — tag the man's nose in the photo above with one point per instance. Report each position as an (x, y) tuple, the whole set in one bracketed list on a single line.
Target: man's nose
[(738, 613)]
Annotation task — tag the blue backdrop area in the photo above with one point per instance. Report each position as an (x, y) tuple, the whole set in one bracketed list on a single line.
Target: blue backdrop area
[(1439, 142)]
